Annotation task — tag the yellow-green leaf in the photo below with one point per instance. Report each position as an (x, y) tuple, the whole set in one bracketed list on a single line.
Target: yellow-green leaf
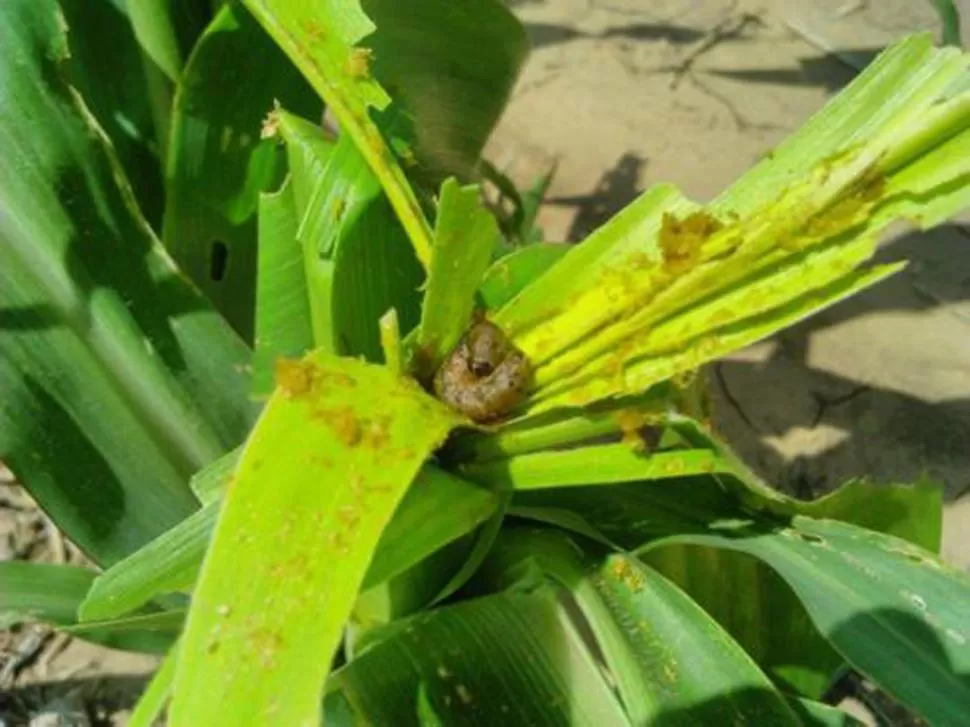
[(330, 459), (464, 236)]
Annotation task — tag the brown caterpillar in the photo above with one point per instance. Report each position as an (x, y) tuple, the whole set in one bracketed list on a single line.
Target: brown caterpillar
[(485, 376)]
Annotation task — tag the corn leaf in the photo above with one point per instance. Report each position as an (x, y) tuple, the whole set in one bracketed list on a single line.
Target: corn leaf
[(284, 324), (102, 339), (375, 268), (107, 69), (321, 39), (42, 592), (451, 69), (153, 699), (634, 513), (308, 151), (580, 270), (787, 646), (769, 621), (817, 714), (571, 427), (208, 483), (511, 658), (464, 236), (168, 564), (618, 314), (440, 120), (51, 594), (339, 440), (391, 346), (651, 635), (166, 624), (510, 274), (893, 611), (949, 19), (595, 465), (911, 512), (894, 90), (168, 29), (217, 163), (438, 509), (358, 262)]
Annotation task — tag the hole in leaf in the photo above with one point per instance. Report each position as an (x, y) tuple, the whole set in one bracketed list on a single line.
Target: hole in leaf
[(218, 260), (810, 538)]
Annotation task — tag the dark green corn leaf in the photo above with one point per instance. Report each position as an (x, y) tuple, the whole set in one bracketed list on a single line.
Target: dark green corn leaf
[(949, 19), (284, 324), (217, 161), (507, 659), (532, 200), (788, 645), (41, 592), (894, 611), (451, 67), (168, 30), (167, 624), (510, 222), (631, 514), (911, 512), (767, 618), (672, 664), (357, 258), (106, 67), (52, 593), (481, 545), (437, 510), (427, 716), (168, 564), (375, 269), (101, 339)]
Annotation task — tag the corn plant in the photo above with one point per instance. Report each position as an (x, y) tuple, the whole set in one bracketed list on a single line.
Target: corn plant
[(949, 20), (347, 451)]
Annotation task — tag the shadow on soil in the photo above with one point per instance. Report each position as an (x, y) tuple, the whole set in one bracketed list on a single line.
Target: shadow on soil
[(828, 70), (548, 34), (885, 434), (617, 188)]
